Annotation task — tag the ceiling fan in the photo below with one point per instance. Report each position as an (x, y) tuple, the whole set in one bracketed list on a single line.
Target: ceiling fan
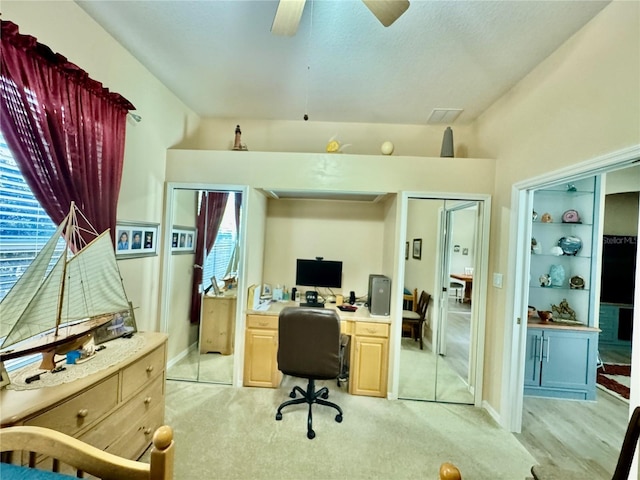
[(289, 12)]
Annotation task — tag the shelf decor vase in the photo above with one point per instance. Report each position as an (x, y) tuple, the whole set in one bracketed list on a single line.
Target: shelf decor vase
[(556, 275)]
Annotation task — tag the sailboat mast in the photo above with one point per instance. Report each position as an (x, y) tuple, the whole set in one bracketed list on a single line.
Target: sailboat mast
[(67, 234)]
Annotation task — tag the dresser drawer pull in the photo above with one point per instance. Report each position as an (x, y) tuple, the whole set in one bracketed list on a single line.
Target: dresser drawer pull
[(372, 330), (147, 431), (150, 368), (83, 412), (147, 400), (263, 324)]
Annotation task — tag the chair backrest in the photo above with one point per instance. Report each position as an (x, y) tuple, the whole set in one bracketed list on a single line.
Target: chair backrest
[(411, 297), (629, 443), (309, 342), (423, 304)]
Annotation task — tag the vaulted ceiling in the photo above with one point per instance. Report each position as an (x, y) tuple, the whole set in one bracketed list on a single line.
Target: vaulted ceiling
[(342, 65)]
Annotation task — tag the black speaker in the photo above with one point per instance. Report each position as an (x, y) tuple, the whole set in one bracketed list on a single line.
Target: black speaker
[(293, 293), (352, 297)]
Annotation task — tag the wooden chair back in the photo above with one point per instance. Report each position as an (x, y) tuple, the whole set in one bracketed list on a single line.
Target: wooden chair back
[(410, 300)]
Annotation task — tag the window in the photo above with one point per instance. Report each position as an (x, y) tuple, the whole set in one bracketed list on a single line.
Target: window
[(24, 229), (217, 262), (24, 225)]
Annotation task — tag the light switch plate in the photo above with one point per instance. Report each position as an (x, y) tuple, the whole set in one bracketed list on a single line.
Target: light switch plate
[(497, 280)]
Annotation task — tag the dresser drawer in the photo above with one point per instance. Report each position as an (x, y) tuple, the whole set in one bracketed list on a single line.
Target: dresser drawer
[(262, 321), (132, 443), (102, 435), (137, 375), (372, 329), (81, 411)]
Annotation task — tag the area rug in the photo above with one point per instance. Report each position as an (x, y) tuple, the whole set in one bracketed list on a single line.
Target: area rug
[(615, 378)]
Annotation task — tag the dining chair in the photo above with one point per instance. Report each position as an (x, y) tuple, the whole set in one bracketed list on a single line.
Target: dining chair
[(414, 320)]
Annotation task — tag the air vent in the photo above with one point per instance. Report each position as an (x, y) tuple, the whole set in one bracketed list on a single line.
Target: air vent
[(444, 115)]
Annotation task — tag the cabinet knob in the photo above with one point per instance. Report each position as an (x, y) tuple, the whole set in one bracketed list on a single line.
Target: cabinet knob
[(147, 431), (83, 412), (147, 400), (150, 368)]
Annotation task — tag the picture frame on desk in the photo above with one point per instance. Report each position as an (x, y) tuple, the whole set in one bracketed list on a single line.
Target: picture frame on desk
[(123, 323), (183, 240), (136, 239), (417, 248)]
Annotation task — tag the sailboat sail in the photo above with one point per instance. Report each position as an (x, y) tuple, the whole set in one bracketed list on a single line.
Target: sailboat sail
[(15, 302), (90, 282)]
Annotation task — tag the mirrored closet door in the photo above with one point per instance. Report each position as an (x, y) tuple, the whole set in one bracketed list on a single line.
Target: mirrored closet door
[(202, 268), (443, 237)]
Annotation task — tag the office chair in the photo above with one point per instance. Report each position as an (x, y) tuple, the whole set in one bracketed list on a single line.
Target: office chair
[(623, 466), (309, 346), (415, 320)]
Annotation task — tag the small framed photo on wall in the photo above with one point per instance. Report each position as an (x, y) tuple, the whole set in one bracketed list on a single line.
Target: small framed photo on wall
[(417, 248), (136, 239), (183, 239)]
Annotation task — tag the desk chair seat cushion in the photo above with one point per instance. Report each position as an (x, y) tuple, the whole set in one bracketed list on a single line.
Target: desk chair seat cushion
[(309, 343)]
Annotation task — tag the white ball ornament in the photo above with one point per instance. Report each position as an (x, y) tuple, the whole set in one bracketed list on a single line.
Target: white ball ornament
[(387, 148)]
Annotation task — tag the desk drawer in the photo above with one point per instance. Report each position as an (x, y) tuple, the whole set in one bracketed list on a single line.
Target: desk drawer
[(141, 372), (82, 410), (134, 441), (372, 329), (262, 321)]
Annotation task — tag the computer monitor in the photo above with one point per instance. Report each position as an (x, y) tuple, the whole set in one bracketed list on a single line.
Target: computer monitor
[(319, 273)]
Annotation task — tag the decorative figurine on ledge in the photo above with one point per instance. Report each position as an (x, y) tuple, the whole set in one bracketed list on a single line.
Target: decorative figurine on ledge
[(237, 144), (564, 310)]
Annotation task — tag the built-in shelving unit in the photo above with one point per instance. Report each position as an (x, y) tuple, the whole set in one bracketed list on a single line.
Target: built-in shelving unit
[(561, 354)]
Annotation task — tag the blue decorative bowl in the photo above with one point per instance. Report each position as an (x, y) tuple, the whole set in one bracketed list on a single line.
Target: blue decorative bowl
[(570, 245)]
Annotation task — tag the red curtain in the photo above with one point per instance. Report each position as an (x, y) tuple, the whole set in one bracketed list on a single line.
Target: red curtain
[(65, 130), (210, 213)]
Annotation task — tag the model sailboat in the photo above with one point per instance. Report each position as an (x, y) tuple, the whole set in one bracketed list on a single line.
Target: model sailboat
[(53, 310)]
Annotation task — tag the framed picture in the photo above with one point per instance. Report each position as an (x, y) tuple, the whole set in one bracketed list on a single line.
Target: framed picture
[(183, 239), (123, 323), (417, 248), (406, 251), (136, 239)]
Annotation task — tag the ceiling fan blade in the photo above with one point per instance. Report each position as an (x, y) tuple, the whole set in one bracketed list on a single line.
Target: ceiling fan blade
[(387, 11), (287, 17)]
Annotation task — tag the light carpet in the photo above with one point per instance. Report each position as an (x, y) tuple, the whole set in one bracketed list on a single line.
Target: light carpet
[(224, 432)]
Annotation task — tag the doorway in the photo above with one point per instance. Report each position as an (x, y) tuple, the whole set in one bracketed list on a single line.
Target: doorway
[(202, 324), (443, 238)]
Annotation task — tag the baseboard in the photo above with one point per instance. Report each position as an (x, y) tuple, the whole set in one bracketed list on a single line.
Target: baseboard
[(181, 355), (495, 415)]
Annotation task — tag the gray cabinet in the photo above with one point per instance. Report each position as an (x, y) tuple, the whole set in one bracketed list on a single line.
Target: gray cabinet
[(561, 363)]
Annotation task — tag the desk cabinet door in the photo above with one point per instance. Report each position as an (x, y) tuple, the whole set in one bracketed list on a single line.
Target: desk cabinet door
[(368, 371), (260, 360)]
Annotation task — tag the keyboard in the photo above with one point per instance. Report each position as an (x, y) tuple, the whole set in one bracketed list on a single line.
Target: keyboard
[(312, 304)]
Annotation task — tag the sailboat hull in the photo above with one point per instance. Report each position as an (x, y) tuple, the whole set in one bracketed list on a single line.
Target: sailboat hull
[(58, 344)]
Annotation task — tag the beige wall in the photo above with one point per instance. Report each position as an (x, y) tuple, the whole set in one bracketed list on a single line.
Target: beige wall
[(351, 232), (167, 122), (581, 102)]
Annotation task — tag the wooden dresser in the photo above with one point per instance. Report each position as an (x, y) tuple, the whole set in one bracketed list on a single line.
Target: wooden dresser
[(116, 409), (218, 324)]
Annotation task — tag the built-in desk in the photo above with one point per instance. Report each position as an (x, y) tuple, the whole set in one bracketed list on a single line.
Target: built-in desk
[(369, 358)]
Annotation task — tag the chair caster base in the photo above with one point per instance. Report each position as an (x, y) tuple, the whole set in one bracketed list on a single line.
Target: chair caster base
[(278, 416), (339, 418), (311, 434)]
